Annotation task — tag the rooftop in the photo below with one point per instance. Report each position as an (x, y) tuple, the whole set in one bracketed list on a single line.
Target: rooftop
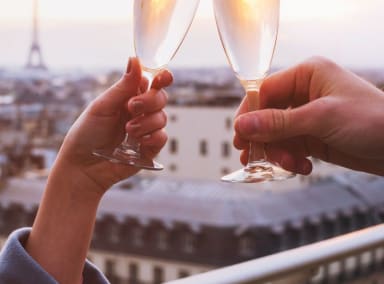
[(205, 203)]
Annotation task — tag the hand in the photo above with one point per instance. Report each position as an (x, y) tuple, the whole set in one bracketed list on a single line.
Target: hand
[(316, 109), (104, 123), (61, 233)]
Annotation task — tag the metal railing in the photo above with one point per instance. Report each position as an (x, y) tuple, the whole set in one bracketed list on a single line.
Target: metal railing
[(339, 257)]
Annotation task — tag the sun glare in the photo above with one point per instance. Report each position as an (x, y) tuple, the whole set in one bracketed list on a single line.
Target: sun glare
[(299, 10), (120, 10)]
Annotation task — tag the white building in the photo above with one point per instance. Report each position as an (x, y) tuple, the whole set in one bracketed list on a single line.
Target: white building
[(199, 143)]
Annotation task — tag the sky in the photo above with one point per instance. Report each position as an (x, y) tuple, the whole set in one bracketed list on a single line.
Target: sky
[(88, 34)]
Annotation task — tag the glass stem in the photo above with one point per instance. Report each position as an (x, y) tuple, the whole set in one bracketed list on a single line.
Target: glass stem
[(130, 144), (256, 149)]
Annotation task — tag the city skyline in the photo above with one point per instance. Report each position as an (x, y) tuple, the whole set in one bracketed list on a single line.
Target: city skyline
[(307, 28)]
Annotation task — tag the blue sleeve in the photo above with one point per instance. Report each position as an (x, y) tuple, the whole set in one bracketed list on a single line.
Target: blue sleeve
[(18, 267)]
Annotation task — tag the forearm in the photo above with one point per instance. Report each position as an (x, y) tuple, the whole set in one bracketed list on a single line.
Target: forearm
[(62, 231)]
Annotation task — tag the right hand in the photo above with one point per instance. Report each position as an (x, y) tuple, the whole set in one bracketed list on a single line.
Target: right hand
[(103, 125), (316, 109)]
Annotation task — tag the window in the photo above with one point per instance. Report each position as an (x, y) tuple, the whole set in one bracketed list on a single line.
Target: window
[(328, 228), (158, 275), (2, 218), (188, 243), (110, 271), (173, 146), (225, 149), (291, 238), (133, 273), (345, 224), (309, 234), (109, 267), (183, 274), (173, 168), (203, 148), (246, 246), (173, 118), (137, 237), (113, 233), (225, 171), (228, 123), (162, 240), (361, 220)]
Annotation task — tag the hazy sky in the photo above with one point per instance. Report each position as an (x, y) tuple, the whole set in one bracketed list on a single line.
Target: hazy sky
[(98, 33)]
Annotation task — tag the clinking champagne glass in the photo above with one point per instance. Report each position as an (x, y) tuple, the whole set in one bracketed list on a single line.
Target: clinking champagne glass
[(160, 27), (248, 31)]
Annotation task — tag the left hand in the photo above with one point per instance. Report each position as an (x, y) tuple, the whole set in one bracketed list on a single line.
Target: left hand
[(104, 123)]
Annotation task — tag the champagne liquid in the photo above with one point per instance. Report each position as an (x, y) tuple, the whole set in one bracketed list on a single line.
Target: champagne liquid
[(248, 31), (159, 29)]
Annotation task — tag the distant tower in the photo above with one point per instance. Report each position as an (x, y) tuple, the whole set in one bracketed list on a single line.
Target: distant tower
[(35, 56)]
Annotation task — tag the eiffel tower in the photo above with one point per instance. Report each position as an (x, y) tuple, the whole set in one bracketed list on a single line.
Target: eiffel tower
[(35, 56)]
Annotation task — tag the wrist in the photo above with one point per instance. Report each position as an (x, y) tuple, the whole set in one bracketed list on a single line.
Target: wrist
[(72, 179), (64, 223)]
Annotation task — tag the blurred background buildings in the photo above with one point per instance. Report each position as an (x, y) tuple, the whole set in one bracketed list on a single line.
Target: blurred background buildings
[(182, 221)]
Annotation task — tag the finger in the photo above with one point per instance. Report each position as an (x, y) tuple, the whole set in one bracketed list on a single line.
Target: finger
[(289, 159), (284, 159), (111, 101), (162, 80), (143, 85), (152, 143), (289, 87), (148, 102), (269, 125), (296, 147), (145, 124), (244, 157), (298, 85), (240, 144)]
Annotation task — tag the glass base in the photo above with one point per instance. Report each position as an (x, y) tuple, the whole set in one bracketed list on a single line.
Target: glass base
[(130, 158), (258, 172)]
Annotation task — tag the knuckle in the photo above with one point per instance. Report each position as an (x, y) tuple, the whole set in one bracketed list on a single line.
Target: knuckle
[(164, 137), (163, 117), (278, 124), (236, 142), (321, 62), (318, 60), (163, 98), (326, 107), (161, 137)]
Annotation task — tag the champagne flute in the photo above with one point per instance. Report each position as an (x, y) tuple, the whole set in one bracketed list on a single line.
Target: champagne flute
[(160, 27), (248, 32)]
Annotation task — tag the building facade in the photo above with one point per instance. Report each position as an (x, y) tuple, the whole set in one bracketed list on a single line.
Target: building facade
[(200, 143), (152, 231)]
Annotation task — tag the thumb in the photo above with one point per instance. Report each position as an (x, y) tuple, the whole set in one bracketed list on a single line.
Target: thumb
[(269, 125), (112, 100)]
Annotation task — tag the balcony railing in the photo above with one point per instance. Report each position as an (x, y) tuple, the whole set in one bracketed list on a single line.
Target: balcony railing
[(330, 261)]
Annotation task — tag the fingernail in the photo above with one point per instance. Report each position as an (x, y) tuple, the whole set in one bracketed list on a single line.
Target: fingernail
[(156, 82), (305, 168), (129, 66), (248, 124), (138, 107), (147, 137)]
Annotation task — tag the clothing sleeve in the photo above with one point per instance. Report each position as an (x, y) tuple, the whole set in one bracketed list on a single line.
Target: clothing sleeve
[(18, 267)]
